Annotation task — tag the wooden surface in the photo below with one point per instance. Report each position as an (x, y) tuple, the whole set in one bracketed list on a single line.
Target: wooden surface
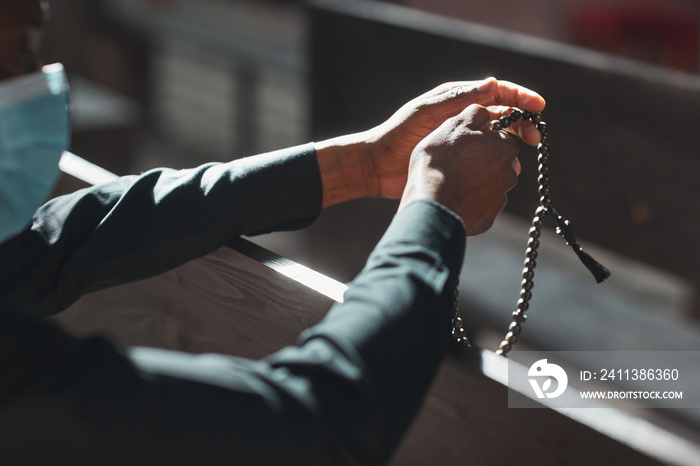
[(466, 421), (225, 303), (232, 303)]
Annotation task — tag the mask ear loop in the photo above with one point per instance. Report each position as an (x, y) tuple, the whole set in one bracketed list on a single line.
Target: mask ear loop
[(563, 229)]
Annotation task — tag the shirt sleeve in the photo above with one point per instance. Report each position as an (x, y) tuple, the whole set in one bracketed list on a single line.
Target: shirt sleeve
[(344, 395), (139, 226), (396, 316)]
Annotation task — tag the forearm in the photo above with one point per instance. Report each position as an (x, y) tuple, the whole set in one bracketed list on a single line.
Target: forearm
[(80, 402), (140, 226), (344, 395), (396, 314)]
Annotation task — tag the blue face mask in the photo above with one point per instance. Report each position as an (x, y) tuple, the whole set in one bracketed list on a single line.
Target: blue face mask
[(34, 132)]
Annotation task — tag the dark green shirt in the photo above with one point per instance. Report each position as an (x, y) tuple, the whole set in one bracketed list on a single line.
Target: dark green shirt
[(345, 394)]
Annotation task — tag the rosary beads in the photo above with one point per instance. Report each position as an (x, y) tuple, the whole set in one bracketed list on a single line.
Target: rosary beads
[(544, 209)]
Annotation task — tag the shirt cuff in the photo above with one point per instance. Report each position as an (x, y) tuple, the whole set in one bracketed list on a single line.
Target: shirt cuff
[(432, 226), (284, 189)]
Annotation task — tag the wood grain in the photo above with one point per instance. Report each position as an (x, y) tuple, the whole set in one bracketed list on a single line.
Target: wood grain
[(225, 303)]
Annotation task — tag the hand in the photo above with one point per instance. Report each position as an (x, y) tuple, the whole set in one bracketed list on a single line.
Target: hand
[(466, 167), (375, 162), (397, 137)]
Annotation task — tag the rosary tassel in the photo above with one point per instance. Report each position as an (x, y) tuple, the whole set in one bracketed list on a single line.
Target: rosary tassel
[(597, 269), (565, 231)]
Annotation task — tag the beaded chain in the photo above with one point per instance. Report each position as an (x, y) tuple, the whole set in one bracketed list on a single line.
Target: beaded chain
[(563, 229), (457, 328)]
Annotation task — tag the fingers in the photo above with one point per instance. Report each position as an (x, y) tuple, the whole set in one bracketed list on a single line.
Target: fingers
[(495, 92), (452, 98), (486, 92), (449, 99), (524, 129), (517, 167)]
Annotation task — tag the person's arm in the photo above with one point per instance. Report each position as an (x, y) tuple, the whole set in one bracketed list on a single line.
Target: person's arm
[(344, 395), (375, 162), (139, 226)]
